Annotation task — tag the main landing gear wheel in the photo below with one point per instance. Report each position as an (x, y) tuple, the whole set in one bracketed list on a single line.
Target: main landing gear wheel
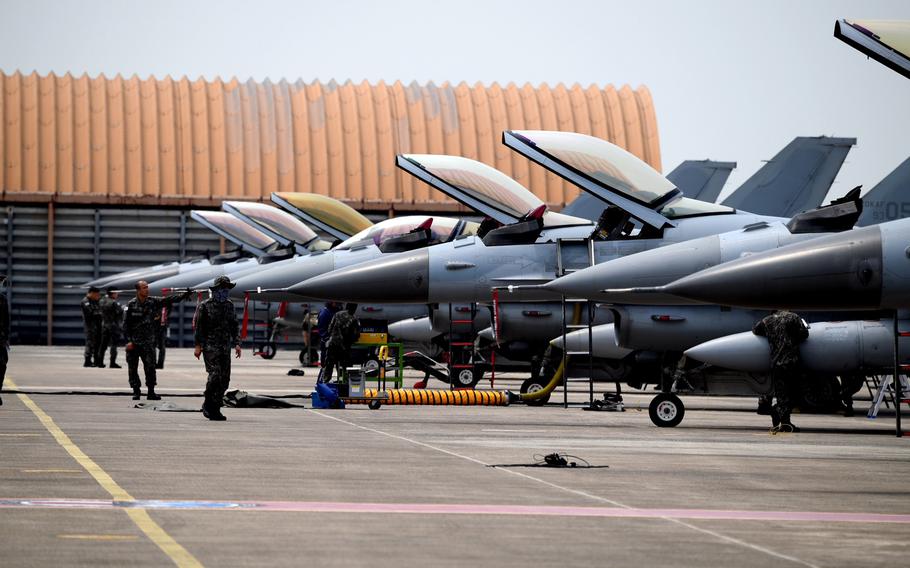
[(666, 410), (533, 385), (268, 350), (465, 378)]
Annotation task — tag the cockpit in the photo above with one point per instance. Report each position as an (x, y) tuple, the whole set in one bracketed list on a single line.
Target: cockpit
[(236, 231), (272, 220), (482, 188), (441, 229), (323, 212), (616, 176)]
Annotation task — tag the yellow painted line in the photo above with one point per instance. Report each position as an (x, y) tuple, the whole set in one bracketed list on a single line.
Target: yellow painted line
[(98, 536), (22, 435), (179, 555), (51, 471)]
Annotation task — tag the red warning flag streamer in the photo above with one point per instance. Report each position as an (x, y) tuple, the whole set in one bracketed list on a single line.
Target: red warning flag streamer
[(246, 315), (282, 309), (496, 316)]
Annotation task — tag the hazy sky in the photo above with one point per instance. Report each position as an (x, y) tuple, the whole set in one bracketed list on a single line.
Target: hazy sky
[(731, 80)]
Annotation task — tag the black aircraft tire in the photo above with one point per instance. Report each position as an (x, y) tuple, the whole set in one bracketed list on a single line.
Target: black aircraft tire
[(268, 350), (666, 410), (465, 378), (534, 384)]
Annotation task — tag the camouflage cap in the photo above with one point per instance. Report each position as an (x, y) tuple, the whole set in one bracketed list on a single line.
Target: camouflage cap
[(222, 282)]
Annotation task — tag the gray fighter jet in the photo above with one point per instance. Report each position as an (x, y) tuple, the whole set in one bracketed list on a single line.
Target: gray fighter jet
[(248, 240), (530, 248), (291, 235)]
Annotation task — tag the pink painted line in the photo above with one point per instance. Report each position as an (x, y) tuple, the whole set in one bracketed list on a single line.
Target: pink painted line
[(461, 509)]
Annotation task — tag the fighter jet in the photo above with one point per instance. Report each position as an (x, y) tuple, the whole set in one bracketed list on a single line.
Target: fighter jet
[(531, 246), (249, 242), (291, 235)]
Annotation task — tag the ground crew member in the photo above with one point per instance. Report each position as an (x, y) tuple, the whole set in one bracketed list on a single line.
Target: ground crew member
[(343, 332), (112, 325), (785, 331), (143, 318), (91, 321), (216, 332), (4, 332), (323, 320)]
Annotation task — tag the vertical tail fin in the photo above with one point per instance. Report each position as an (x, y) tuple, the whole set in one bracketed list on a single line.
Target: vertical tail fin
[(796, 179)]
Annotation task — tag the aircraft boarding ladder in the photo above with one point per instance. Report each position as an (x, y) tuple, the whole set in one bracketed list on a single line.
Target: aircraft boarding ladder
[(572, 323), (884, 392), (461, 354)]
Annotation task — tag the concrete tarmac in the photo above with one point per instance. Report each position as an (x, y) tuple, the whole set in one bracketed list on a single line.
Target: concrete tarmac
[(86, 479)]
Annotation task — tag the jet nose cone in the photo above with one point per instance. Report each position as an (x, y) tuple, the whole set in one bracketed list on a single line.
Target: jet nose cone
[(401, 278), (581, 284), (270, 280)]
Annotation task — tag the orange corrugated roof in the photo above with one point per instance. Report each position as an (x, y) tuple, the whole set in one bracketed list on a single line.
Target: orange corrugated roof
[(165, 141)]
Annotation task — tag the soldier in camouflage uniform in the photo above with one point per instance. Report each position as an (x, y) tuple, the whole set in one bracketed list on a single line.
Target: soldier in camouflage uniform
[(4, 332), (143, 318), (343, 332), (216, 332), (91, 321), (785, 331), (112, 325)]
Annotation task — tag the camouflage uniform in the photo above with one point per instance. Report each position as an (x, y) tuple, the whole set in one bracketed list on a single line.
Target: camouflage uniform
[(91, 320), (342, 334), (111, 327), (785, 331), (4, 338), (142, 322), (217, 332)]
